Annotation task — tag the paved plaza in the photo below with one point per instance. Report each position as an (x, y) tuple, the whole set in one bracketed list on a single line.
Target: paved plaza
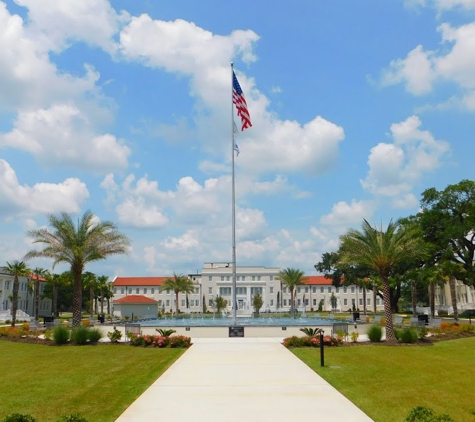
[(241, 379)]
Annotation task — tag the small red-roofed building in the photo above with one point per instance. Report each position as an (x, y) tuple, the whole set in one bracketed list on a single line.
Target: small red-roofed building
[(135, 306)]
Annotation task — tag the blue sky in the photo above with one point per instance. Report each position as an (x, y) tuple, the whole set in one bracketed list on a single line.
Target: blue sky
[(123, 108)]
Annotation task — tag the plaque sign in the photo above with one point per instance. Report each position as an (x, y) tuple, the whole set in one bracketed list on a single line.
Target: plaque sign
[(236, 331)]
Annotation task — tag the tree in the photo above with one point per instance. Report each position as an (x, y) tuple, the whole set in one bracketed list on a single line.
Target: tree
[(333, 301), (38, 273), (381, 250), (103, 284), (17, 269), (178, 284), (448, 222), (219, 303), (291, 278), (89, 281), (89, 241), (257, 303)]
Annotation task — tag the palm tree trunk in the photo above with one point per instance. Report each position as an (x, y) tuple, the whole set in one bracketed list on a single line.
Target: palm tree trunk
[(102, 301), (91, 300), (390, 337), (375, 296), (55, 299), (414, 298), (176, 304), (16, 286), (37, 298), (77, 298), (364, 300), (291, 302), (432, 299), (453, 296)]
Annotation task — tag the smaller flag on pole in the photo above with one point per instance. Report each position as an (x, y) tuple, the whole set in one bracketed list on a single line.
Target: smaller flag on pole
[(240, 102)]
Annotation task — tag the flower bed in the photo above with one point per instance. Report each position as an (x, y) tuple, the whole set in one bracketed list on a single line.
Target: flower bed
[(160, 341), (308, 341)]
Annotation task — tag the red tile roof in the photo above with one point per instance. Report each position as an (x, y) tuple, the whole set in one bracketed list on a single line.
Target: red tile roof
[(139, 281), (318, 280), (138, 299)]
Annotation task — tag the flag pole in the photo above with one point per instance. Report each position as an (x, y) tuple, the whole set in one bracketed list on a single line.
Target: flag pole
[(234, 305)]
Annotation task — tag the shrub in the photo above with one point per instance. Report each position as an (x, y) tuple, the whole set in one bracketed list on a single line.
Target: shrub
[(375, 332), (307, 341), (80, 335), (354, 336), (94, 335), (25, 326), (311, 332), (426, 414), (164, 332), (407, 335), (179, 341), (422, 332), (115, 335), (60, 334), (72, 417), (19, 417)]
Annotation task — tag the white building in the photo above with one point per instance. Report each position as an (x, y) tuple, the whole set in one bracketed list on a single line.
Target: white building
[(215, 279), (26, 298)]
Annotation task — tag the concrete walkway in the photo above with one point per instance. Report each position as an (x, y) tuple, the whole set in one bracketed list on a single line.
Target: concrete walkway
[(241, 379)]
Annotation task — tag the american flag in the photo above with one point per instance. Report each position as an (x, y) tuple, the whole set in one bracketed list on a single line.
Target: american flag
[(240, 102)]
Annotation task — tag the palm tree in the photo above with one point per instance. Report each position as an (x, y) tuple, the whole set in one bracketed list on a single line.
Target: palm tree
[(38, 272), (16, 269), (102, 282), (179, 284), (380, 251), (79, 245), (291, 277), (90, 283)]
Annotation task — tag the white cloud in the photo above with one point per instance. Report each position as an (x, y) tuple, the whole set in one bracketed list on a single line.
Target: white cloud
[(41, 198), (276, 90), (345, 215), (56, 23), (395, 168), (62, 136), (272, 145), (442, 5), (408, 201), (452, 62)]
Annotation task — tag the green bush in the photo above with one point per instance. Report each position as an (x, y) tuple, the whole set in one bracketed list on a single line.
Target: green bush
[(311, 332), (60, 334), (72, 417), (164, 332), (115, 335), (94, 335), (375, 332), (407, 335), (19, 417), (426, 414), (80, 335)]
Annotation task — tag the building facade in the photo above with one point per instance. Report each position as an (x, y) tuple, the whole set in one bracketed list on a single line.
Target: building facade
[(215, 280), (26, 297)]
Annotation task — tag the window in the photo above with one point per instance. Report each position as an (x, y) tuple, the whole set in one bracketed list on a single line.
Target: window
[(137, 291), (225, 291), (183, 302), (168, 302), (306, 302), (299, 290), (299, 302), (210, 290), (210, 278), (222, 278), (258, 278), (153, 290), (241, 290), (361, 289), (314, 289), (115, 290), (144, 290), (361, 302), (314, 302), (227, 278), (130, 291), (197, 290), (337, 290), (168, 291), (321, 289), (285, 302), (352, 289), (306, 289), (243, 278), (256, 291), (7, 285), (122, 291), (272, 302), (353, 302), (329, 290), (345, 302), (344, 289), (237, 278), (210, 302), (159, 303), (271, 290), (368, 301), (253, 278), (271, 278)]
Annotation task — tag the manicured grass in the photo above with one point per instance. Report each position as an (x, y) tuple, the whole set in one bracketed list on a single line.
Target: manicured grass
[(386, 382), (98, 382)]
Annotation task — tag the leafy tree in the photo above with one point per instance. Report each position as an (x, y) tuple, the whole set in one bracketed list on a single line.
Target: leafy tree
[(219, 303), (17, 269), (333, 301), (257, 303), (291, 278), (89, 241), (448, 222), (178, 284), (380, 250)]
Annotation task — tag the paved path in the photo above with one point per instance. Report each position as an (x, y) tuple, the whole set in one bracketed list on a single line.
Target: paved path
[(241, 379)]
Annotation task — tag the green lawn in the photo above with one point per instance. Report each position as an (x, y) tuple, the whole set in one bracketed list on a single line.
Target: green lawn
[(386, 382), (98, 382)]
